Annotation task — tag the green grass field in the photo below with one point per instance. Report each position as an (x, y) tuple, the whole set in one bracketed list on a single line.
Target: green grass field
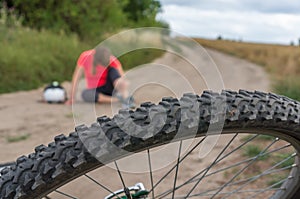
[(29, 58)]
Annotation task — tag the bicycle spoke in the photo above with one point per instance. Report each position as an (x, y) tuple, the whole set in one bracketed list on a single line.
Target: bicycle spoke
[(151, 174), (242, 191), (126, 190), (179, 162), (204, 170), (64, 194), (212, 164), (177, 167), (263, 173), (269, 188), (120, 175), (248, 179), (243, 161), (250, 163), (102, 186), (192, 179)]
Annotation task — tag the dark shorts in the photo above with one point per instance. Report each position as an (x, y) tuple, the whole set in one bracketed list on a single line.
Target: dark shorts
[(92, 95)]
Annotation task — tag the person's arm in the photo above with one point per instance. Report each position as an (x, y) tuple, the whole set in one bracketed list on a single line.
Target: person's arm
[(117, 65), (76, 76), (120, 70)]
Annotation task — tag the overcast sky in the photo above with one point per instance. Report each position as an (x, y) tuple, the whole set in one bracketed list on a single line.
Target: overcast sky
[(271, 21)]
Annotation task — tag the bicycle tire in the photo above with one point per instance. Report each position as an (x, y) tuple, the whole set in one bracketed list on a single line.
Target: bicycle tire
[(49, 167)]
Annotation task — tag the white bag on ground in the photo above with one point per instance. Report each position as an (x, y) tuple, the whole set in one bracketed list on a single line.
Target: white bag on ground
[(55, 93)]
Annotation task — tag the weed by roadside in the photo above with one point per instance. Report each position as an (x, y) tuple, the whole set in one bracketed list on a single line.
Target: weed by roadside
[(276, 180), (287, 159), (17, 138), (253, 151)]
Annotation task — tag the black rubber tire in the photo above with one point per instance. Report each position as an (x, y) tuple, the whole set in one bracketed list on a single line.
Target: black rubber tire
[(51, 166)]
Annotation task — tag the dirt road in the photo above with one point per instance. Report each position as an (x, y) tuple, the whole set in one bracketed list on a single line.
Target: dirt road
[(21, 114)]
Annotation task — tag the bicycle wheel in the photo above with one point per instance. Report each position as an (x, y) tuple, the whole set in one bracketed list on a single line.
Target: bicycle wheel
[(271, 120)]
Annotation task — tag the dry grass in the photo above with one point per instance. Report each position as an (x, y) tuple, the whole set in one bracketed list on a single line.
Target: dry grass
[(281, 61), (278, 59)]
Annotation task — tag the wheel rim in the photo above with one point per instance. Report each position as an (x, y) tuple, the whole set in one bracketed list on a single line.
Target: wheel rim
[(281, 187)]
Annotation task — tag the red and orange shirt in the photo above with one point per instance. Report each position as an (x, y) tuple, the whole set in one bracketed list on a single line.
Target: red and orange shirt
[(98, 79)]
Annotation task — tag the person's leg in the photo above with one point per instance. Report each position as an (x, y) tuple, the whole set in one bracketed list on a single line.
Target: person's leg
[(115, 84), (102, 98), (115, 89), (89, 95), (105, 92), (96, 95), (121, 86)]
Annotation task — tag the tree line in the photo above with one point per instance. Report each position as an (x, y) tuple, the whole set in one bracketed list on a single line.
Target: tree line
[(89, 19)]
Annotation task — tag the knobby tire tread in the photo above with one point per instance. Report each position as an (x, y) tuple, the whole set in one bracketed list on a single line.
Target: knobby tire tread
[(67, 157)]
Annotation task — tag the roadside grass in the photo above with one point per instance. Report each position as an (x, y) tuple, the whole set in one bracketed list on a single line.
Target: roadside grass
[(266, 137), (17, 138), (139, 57), (72, 115), (282, 62), (253, 151), (278, 162), (139, 47), (276, 180), (30, 59), (270, 169), (287, 158), (289, 86)]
